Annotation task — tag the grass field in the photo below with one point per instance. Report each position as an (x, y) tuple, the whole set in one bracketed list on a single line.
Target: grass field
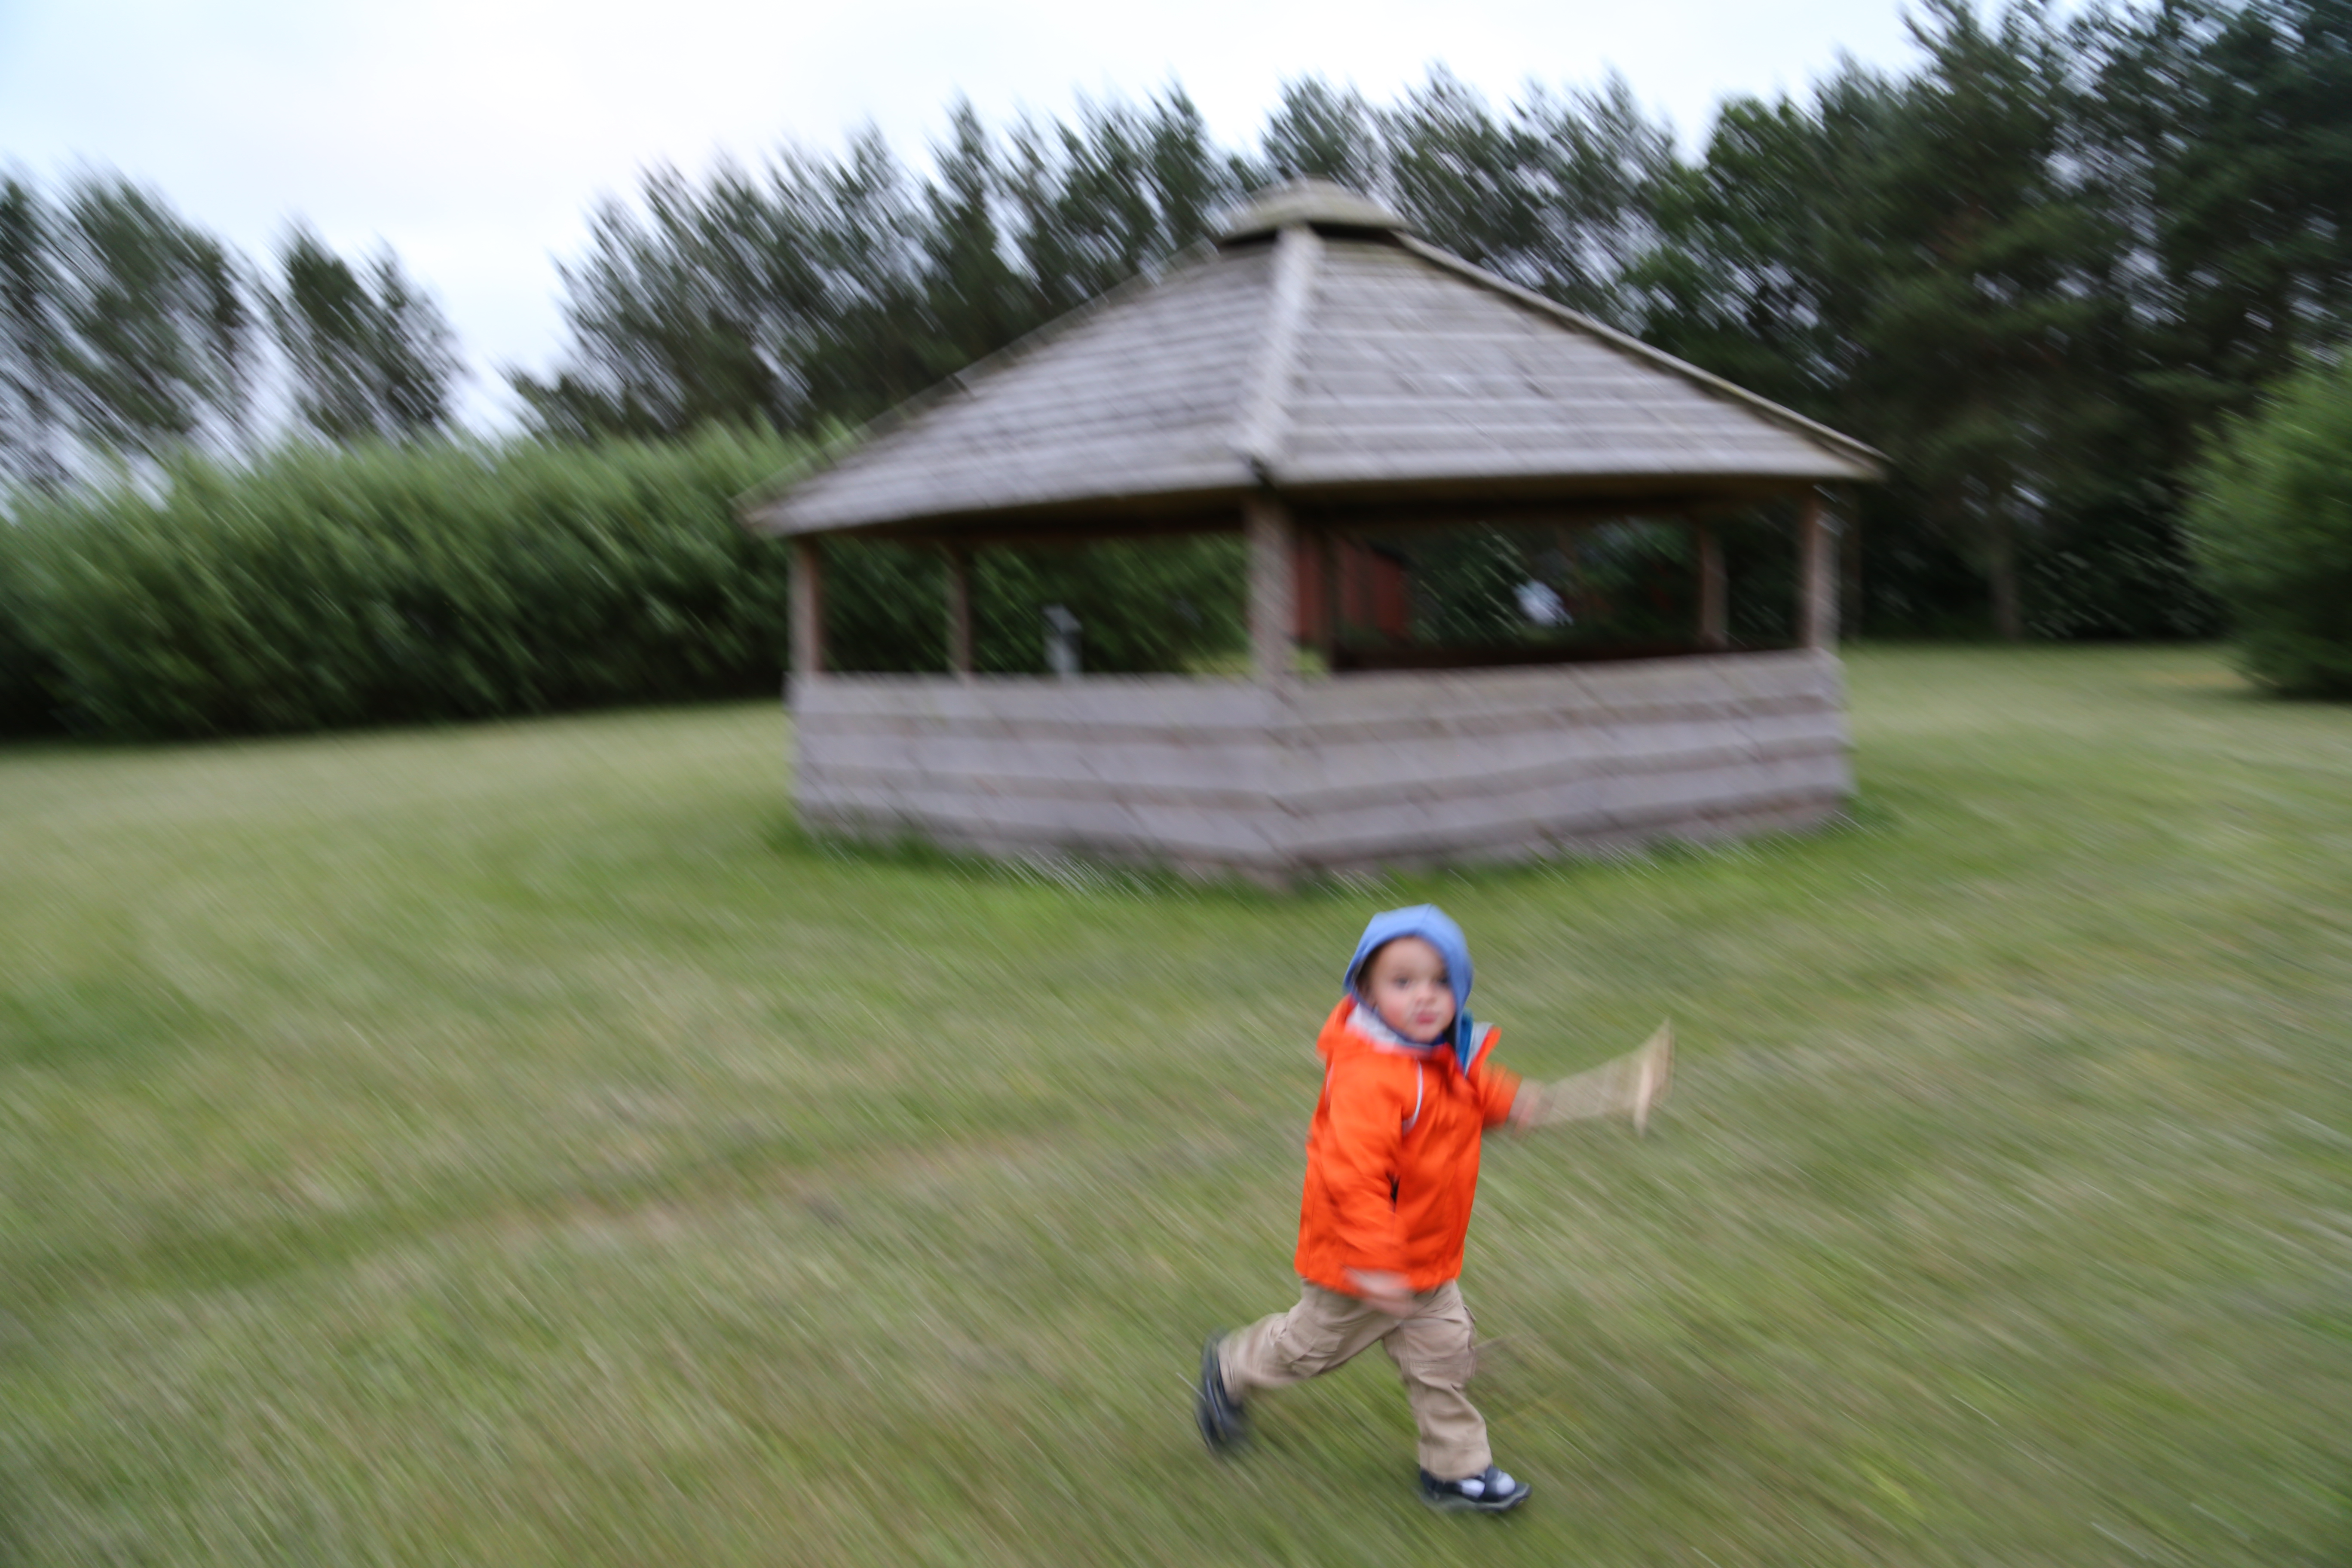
[(517, 1145)]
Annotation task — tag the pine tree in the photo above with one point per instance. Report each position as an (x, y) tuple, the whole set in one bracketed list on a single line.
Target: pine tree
[(370, 358), (1981, 256), (150, 354), (831, 288), (1323, 132), (32, 394), (975, 302)]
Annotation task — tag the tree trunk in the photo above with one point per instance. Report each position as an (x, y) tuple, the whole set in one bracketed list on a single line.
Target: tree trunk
[(2000, 572)]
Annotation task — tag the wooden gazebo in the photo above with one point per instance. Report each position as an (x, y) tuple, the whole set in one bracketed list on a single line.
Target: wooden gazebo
[(1319, 375)]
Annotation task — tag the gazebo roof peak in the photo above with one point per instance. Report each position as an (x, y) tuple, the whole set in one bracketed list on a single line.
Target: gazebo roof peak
[(1316, 204)]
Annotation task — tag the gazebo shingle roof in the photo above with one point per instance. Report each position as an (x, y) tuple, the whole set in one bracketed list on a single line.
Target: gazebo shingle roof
[(1344, 361)]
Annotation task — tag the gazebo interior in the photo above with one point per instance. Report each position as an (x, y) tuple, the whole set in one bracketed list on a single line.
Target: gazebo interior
[(1323, 382)]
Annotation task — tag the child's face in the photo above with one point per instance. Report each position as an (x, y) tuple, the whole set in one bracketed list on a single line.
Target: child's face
[(1406, 981)]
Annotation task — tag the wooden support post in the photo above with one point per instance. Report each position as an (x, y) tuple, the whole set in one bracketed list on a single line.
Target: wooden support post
[(808, 611), (1273, 593), (1850, 562), (1713, 618), (1817, 606), (959, 561)]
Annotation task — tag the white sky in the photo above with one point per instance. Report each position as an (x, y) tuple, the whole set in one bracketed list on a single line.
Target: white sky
[(474, 135)]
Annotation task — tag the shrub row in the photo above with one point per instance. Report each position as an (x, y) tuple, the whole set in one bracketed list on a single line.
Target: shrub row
[(386, 584), (404, 584), (391, 585)]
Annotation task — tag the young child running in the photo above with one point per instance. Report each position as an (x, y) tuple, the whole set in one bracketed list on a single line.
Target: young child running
[(1391, 1170)]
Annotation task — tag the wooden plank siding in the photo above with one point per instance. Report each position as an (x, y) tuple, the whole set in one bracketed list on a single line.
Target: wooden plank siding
[(1395, 768)]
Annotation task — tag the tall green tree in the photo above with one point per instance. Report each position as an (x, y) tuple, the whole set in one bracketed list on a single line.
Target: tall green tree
[(417, 356), (1979, 367), (32, 391), (1112, 194), (369, 357), (233, 339), (1324, 133), (975, 299), (666, 326), (1559, 194), (1604, 167), (2229, 130), (822, 291), (785, 298), (1739, 281), (151, 352), (2036, 269)]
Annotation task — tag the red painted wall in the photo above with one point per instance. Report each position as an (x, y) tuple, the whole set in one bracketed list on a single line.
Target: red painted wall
[(1375, 593)]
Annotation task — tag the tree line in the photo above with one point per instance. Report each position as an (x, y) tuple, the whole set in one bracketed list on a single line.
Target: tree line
[(2040, 269), (2037, 269), (128, 332)]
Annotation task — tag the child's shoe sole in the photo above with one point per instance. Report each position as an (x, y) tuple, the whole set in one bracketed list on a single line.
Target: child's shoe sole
[(1442, 1497), (1224, 1427)]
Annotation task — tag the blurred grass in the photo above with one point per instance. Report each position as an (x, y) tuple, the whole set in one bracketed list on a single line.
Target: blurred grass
[(517, 1145)]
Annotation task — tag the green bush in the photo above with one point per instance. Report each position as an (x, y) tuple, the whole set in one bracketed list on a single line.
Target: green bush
[(1141, 605), (2272, 527), (27, 680), (392, 584)]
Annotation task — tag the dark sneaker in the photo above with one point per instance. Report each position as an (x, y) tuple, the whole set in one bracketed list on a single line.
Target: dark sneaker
[(1225, 1426), (1492, 1490)]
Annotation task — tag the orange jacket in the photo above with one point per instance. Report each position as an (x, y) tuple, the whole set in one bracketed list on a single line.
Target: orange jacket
[(1392, 1156)]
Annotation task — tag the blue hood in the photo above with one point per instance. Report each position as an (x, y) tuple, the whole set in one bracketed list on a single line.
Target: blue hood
[(1433, 926)]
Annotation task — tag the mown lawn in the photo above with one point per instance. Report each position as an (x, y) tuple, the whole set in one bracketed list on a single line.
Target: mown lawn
[(516, 1145)]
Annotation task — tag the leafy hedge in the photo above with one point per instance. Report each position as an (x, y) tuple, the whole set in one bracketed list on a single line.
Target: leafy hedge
[(402, 584), (2272, 527), (390, 584), (26, 676)]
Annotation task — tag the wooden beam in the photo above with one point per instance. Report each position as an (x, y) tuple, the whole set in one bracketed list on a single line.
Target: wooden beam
[(1125, 516), (1422, 517), (1714, 619), (1266, 418), (808, 611), (1849, 516), (959, 563), (1273, 593), (1049, 533), (1816, 606)]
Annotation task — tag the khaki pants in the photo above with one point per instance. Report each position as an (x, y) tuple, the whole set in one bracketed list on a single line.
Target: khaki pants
[(1432, 1348)]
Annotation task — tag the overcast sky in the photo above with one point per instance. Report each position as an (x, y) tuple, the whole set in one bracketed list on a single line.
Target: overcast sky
[(474, 135)]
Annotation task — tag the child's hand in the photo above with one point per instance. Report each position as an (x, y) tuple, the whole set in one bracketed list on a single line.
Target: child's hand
[(1382, 1292), (1631, 1087)]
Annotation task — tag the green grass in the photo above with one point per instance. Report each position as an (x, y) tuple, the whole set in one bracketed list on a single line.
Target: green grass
[(517, 1145)]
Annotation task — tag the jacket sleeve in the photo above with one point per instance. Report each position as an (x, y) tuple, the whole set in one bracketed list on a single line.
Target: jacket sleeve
[(1497, 1088), (1359, 1162)]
